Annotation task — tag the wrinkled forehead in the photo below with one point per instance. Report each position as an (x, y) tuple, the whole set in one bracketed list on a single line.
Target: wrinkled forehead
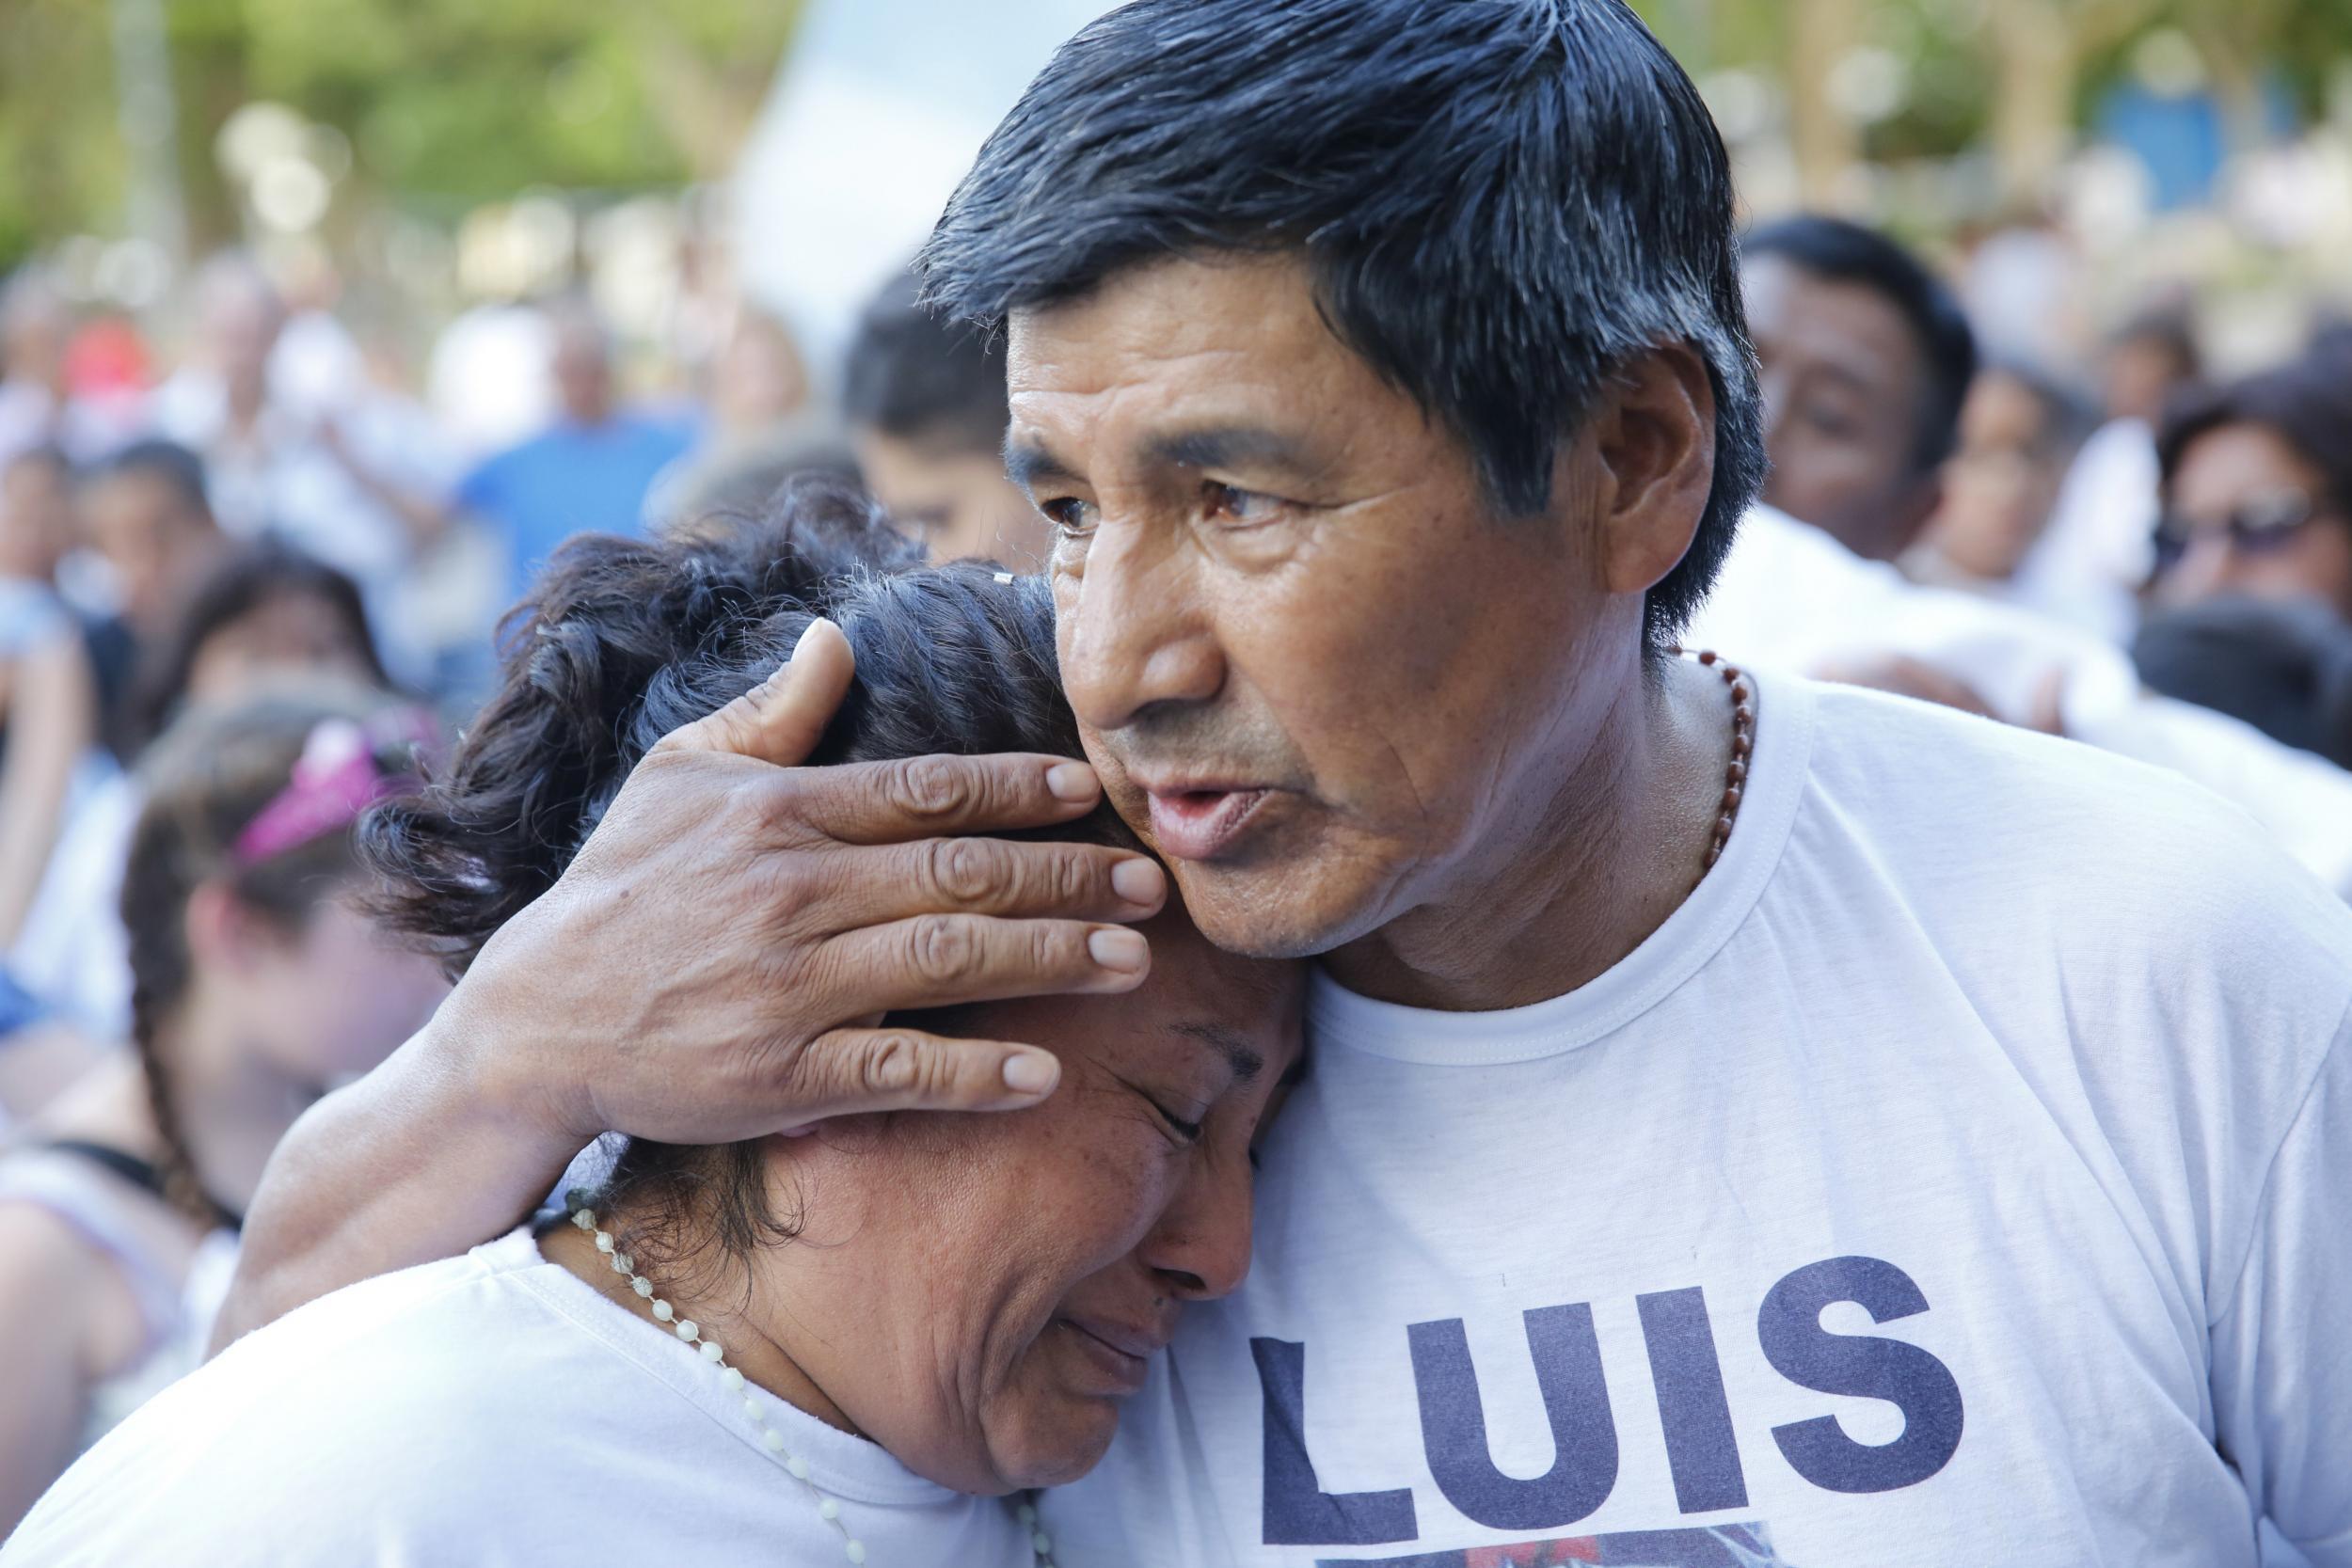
[(1224, 339)]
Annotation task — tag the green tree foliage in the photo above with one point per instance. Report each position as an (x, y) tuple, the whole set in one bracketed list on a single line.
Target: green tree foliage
[(446, 103)]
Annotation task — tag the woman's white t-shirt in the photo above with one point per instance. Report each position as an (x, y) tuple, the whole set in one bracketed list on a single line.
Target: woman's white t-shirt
[(489, 1409)]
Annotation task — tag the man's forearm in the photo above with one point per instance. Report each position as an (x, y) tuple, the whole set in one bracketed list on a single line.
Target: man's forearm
[(412, 1164)]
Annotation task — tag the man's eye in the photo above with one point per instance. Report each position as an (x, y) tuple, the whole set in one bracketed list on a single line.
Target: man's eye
[(1067, 513), (1831, 421), (1230, 503)]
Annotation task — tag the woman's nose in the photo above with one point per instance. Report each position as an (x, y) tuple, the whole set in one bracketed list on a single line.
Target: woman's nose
[(1201, 1246)]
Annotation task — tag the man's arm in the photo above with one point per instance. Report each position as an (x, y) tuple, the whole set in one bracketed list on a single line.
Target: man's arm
[(410, 1163), (2281, 1370), (714, 966)]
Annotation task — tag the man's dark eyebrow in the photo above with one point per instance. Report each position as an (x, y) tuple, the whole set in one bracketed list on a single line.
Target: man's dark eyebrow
[(1026, 463), (1245, 1062), (1232, 446)]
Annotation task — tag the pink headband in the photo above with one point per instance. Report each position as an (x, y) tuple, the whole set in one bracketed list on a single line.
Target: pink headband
[(336, 780)]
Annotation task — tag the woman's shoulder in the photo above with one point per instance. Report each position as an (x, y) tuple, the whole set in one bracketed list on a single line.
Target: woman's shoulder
[(403, 1405), (478, 1409)]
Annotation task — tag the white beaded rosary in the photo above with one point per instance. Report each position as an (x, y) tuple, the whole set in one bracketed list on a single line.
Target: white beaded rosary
[(1040, 1544)]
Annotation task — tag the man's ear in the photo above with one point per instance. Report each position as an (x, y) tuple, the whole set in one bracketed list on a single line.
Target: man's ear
[(1654, 433)]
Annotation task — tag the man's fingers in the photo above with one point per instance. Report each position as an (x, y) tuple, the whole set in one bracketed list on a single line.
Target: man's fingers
[(893, 802), (855, 1071), (998, 877), (781, 720), (946, 960)]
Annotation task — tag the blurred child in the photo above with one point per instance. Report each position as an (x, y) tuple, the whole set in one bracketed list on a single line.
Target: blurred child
[(257, 984)]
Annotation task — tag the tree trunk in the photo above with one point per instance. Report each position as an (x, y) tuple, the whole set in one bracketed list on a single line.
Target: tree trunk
[(2035, 62), (1825, 141)]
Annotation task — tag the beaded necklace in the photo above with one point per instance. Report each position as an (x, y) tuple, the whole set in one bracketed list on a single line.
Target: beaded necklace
[(852, 1549)]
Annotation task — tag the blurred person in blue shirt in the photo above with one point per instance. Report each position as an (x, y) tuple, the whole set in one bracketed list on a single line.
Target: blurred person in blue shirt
[(587, 473)]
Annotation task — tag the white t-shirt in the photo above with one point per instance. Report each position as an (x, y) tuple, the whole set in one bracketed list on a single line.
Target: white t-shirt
[(1960, 1176), (490, 1409), (1790, 597)]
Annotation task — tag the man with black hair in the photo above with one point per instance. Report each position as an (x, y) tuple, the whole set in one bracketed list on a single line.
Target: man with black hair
[(1750, 1121), (925, 401), (150, 519), (1867, 359)]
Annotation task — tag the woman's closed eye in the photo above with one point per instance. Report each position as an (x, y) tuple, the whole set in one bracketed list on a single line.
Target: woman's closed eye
[(1187, 1131)]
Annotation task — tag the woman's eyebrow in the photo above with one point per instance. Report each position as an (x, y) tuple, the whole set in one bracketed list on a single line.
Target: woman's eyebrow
[(1238, 1053)]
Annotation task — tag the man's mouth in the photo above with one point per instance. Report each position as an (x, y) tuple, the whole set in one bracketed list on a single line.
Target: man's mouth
[(1203, 823)]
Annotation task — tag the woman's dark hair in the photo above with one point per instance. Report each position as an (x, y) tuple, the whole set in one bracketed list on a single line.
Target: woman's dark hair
[(623, 641), (244, 582), (1500, 203), (202, 784), (2306, 401)]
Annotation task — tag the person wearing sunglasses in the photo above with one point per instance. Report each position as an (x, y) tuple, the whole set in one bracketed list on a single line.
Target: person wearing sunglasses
[(2257, 489)]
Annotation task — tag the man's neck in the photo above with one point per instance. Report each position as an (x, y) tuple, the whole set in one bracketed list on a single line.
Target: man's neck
[(1579, 878)]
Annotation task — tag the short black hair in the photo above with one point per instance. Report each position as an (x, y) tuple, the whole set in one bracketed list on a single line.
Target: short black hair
[(1843, 252), (2306, 401), (168, 463), (1499, 202), (920, 376)]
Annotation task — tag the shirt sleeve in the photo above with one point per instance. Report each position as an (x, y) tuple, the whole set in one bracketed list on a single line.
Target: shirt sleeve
[(2281, 1345)]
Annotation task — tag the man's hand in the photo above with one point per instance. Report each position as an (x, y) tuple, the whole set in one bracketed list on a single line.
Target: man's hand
[(713, 967), (716, 963)]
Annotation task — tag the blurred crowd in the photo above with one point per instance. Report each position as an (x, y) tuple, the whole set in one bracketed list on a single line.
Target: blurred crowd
[(242, 586)]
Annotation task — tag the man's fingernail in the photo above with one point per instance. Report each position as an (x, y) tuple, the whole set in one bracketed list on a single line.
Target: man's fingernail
[(1138, 881), (1070, 780), (1124, 951), (806, 632), (1031, 1072)]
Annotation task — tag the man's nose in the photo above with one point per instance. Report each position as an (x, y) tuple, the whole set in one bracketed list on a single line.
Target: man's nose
[(1200, 1247), (1134, 632)]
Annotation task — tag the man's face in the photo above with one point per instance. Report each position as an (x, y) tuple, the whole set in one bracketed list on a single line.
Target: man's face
[(956, 500), (583, 370), (155, 546), (1314, 671), (1845, 390)]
